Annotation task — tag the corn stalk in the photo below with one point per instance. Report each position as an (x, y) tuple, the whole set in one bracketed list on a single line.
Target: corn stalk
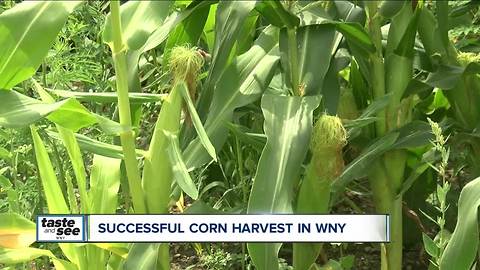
[(391, 72), (126, 137)]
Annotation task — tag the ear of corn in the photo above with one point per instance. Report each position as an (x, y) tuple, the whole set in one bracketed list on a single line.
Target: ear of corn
[(328, 138), (185, 63)]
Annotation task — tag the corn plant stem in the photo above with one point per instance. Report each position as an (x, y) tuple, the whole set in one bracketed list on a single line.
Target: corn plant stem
[(377, 64), (385, 203), (383, 187), (293, 55), (127, 139)]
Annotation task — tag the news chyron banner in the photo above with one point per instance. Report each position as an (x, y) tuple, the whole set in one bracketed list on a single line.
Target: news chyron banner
[(213, 228)]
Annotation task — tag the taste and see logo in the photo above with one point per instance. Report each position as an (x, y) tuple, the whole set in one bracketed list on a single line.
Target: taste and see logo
[(60, 228)]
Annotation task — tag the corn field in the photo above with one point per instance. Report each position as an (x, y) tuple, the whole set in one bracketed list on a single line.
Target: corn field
[(242, 107)]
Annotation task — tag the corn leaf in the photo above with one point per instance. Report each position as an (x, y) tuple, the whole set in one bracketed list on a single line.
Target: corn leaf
[(360, 166), (20, 255), (73, 150), (447, 76), (276, 14), (414, 134), (388, 8), (16, 231), (163, 32), (119, 249), (180, 172), (143, 256), (53, 193), (197, 123), (138, 19), (104, 185), (108, 97), (229, 21), (188, 32), (25, 42), (157, 170), (312, 63), (241, 84), (18, 110), (354, 34), (97, 147), (288, 127), (461, 250)]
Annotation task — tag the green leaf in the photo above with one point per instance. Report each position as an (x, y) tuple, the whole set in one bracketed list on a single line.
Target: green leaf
[(462, 248), (414, 134), (229, 21), (390, 8), (53, 193), (255, 139), (142, 256), (138, 19), (16, 231), (5, 154), (406, 44), (19, 110), (415, 87), (27, 31), (242, 83), (312, 63), (419, 168), (430, 247), (429, 33), (447, 77), (331, 265), (163, 32), (20, 255), (157, 169), (179, 169), (355, 34), (12, 194), (76, 158), (347, 262), (354, 126), (72, 115), (75, 155), (361, 165), (398, 28), (119, 249), (109, 97), (197, 123), (97, 147), (200, 207), (104, 185), (288, 127), (276, 14), (188, 31), (331, 87)]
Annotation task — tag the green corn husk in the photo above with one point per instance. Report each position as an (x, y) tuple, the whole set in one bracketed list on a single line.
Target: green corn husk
[(328, 139), (185, 64), (347, 107)]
